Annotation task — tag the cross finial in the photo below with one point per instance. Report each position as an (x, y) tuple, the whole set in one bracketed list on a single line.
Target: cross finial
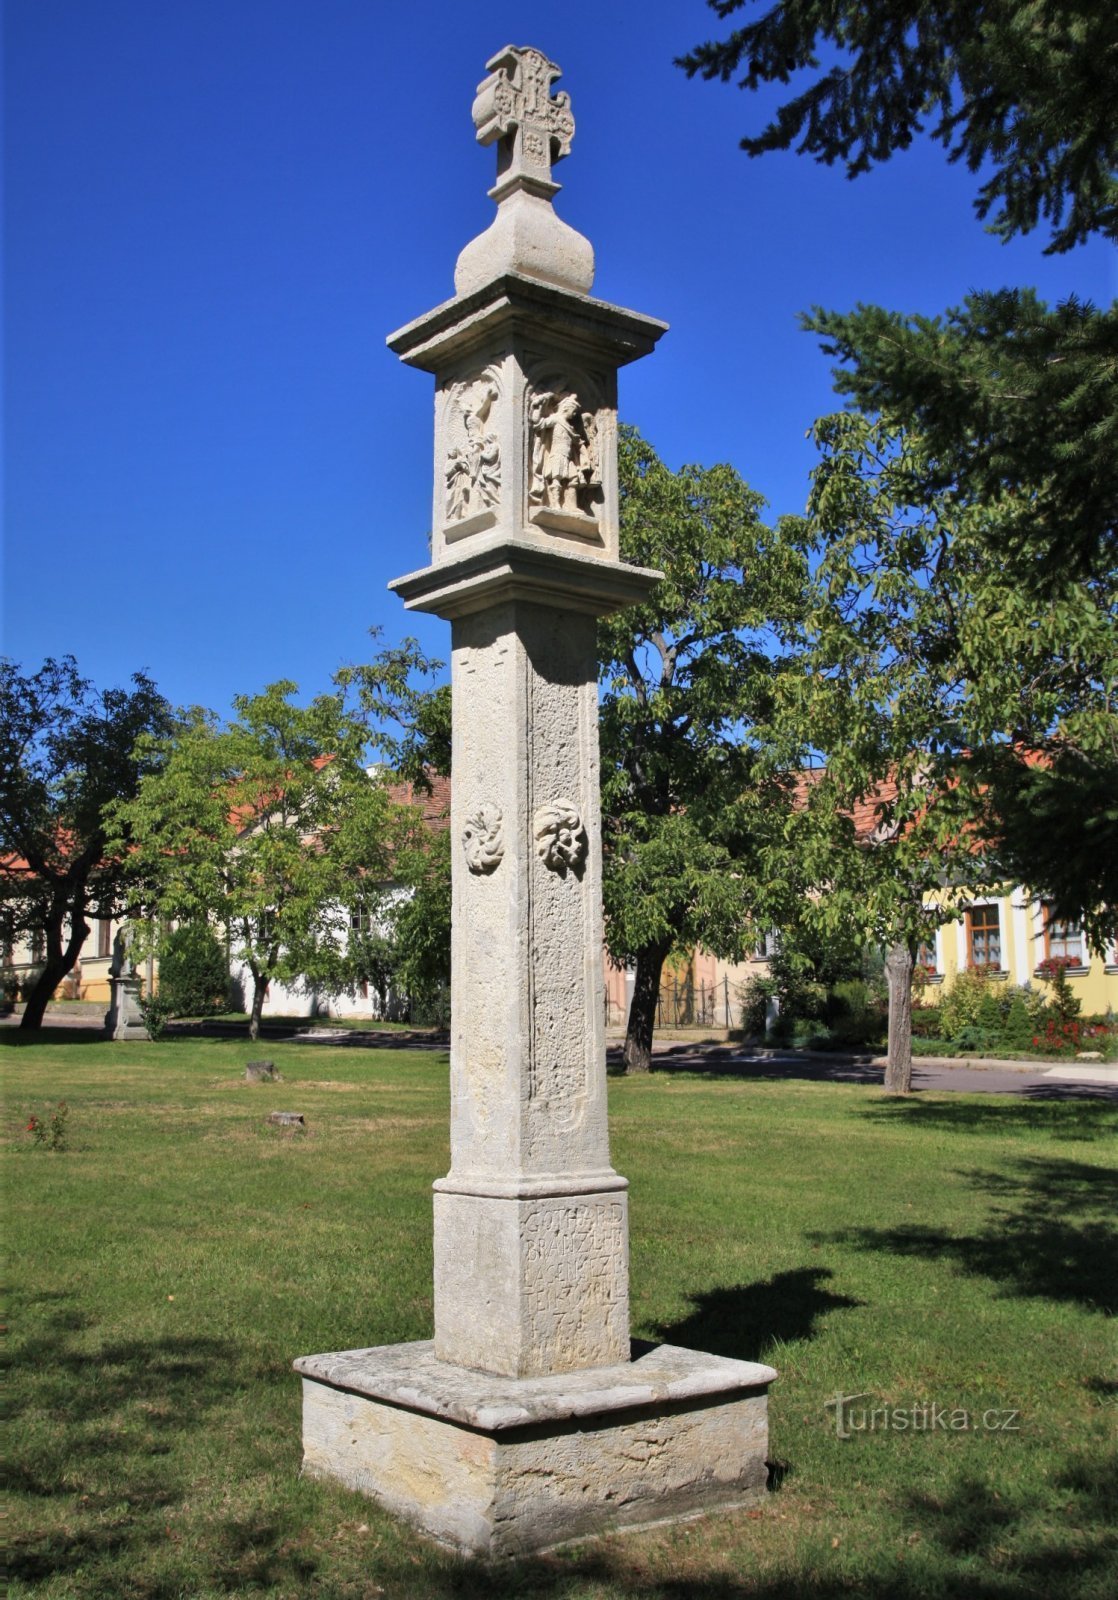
[(514, 105)]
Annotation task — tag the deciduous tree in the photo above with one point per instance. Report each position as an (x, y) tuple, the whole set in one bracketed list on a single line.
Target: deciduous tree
[(1003, 705), (695, 783), (66, 751), (269, 825)]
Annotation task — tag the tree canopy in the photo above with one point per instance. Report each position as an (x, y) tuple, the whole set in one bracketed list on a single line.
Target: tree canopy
[(1000, 417), (268, 825), (1022, 90), (694, 784), (67, 750), (1016, 404)]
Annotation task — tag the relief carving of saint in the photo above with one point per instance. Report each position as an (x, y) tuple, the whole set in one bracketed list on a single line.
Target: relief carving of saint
[(566, 471), (473, 463)]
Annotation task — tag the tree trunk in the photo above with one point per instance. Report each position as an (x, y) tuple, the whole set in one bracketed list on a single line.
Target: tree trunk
[(637, 1054), (60, 958), (898, 1065), (259, 989)]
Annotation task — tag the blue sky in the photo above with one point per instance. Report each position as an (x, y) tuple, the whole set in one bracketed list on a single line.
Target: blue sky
[(217, 210)]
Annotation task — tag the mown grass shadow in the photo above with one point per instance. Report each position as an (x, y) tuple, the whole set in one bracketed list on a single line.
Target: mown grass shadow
[(1067, 1112), (746, 1321), (53, 1034), (124, 1403), (1052, 1234), (961, 1534), (300, 1031), (976, 1520)]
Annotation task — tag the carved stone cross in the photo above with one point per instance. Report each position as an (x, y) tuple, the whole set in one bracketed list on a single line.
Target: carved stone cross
[(514, 105)]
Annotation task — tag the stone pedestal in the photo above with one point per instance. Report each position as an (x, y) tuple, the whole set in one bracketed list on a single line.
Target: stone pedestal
[(124, 1019), (525, 1423), (500, 1469)]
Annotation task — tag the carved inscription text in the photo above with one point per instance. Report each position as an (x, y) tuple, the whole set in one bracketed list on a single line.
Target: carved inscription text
[(576, 1286)]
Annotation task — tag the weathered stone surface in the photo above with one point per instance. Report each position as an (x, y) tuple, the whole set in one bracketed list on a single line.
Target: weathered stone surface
[(525, 416), (526, 1287), (514, 108), (501, 1468), (287, 1119), (261, 1072), (524, 1423)]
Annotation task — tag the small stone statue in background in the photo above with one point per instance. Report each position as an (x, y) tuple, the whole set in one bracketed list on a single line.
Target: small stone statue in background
[(123, 963)]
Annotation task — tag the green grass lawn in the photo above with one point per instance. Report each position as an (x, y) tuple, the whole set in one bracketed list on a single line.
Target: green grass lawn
[(168, 1265)]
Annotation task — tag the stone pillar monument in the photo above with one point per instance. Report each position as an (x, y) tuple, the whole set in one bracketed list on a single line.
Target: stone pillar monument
[(525, 1422)]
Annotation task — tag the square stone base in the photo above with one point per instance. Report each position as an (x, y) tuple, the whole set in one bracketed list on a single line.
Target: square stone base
[(500, 1467), (525, 1286)]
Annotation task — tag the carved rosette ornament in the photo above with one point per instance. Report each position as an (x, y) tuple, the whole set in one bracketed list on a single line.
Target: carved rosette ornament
[(483, 839), (560, 837), (473, 459)]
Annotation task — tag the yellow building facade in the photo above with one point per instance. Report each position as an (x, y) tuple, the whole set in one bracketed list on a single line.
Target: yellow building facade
[(1010, 936)]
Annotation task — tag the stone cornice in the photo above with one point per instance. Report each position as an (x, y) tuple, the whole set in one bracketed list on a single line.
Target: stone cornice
[(515, 304), (522, 570)]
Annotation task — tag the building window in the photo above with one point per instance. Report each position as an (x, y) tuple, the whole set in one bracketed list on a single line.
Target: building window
[(104, 937), (926, 955), (984, 937), (360, 920), (1063, 940)]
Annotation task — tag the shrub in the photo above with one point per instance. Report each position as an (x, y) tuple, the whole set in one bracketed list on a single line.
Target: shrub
[(155, 1011), (51, 1133), (756, 994), (961, 1006), (974, 1038), (193, 971), (1019, 1028), (849, 998), (431, 1009), (926, 1022), (990, 1017)]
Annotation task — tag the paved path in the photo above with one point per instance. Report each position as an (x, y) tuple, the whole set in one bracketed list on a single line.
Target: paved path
[(1026, 1079), (1030, 1080)]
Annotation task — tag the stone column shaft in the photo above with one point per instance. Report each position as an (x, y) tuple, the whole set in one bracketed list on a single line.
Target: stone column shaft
[(531, 1256), (531, 1222)]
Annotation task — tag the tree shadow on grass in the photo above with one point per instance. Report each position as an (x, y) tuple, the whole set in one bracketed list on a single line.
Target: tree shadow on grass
[(52, 1034), (120, 1540), (1067, 1116), (976, 1521), (113, 1464), (973, 1542), (1051, 1235), (744, 1322)]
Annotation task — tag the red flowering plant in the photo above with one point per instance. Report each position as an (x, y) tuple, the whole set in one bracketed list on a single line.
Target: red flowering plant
[(1053, 967), (52, 1132)]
